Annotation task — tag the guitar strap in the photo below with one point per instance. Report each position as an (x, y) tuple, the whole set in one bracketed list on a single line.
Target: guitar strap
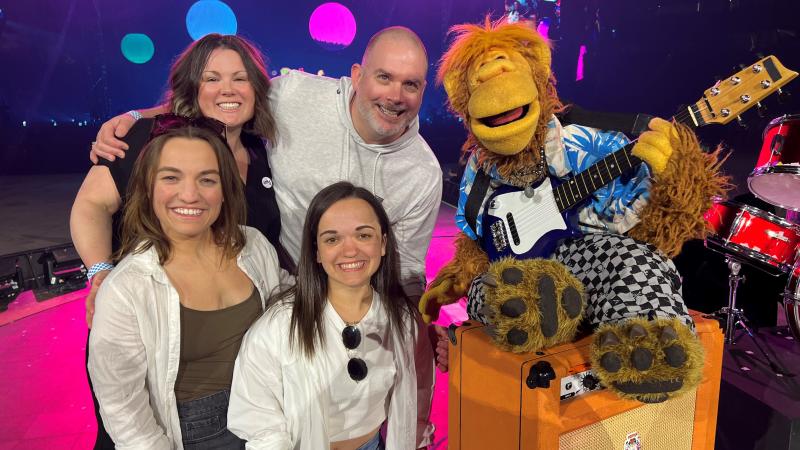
[(630, 124), (480, 186)]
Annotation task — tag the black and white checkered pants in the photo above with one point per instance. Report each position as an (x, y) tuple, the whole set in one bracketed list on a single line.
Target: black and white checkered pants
[(624, 278)]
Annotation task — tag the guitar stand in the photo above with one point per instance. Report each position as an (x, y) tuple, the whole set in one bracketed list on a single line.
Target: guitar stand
[(735, 316)]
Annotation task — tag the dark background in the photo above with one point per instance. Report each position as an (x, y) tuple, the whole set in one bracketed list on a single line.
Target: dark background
[(61, 61)]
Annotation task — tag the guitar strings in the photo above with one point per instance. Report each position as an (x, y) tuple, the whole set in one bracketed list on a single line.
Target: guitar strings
[(602, 173), (529, 216)]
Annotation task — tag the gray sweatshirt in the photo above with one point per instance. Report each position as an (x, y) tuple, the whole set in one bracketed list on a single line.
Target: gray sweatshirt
[(317, 146)]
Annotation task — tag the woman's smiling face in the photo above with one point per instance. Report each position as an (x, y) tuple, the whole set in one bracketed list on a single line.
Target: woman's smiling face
[(350, 243)]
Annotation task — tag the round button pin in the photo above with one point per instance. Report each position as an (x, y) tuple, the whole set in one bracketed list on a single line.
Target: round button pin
[(267, 182)]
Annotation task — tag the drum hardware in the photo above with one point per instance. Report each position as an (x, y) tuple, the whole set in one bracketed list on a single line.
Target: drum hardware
[(791, 306), (777, 235), (791, 300), (735, 316)]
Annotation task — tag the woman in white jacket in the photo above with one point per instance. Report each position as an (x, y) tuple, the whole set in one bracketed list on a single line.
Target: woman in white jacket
[(170, 317), (343, 352)]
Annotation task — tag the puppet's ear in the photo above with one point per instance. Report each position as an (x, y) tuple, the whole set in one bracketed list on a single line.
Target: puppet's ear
[(451, 83), (541, 52)]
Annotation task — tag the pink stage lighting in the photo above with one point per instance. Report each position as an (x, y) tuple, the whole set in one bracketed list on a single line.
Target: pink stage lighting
[(579, 72), (332, 25), (544, 28)]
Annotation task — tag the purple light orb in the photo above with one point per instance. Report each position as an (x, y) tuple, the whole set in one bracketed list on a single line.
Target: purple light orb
[(332, 26)]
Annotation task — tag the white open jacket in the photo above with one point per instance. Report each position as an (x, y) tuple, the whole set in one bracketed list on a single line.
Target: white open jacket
[(135, 344), (279, 396)]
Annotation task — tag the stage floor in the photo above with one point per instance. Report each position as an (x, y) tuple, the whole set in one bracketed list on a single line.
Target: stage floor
[(44, 397), (35, 210)]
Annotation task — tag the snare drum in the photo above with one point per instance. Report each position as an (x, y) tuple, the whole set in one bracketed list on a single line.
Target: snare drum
[(791, 300), (746, 231), (776, 178)]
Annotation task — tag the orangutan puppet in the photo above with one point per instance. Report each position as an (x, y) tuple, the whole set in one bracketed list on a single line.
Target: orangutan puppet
[(616, 275)]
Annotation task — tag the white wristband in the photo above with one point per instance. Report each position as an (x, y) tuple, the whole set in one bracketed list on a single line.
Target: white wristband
[(97, 268)]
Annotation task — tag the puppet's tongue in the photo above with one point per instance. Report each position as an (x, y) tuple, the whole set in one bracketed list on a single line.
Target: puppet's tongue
[(504, 118)]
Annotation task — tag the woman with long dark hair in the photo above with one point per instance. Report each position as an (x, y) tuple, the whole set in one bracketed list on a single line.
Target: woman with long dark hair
[(189, 283), (343, 351)]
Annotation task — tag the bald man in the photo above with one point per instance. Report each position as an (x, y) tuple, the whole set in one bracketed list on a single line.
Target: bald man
[(363, 129)]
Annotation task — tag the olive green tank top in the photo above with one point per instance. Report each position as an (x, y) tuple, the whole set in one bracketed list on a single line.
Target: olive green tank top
[(210, 341)]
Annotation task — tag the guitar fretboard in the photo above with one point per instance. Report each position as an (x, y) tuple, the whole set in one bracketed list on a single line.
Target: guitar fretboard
[(576, 189)]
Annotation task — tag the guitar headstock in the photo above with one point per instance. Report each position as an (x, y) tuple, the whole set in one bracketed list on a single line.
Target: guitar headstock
[(730, 97)]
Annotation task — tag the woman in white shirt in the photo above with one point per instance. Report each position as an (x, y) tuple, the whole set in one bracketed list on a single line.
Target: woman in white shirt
[(170, 317), (342, 352)]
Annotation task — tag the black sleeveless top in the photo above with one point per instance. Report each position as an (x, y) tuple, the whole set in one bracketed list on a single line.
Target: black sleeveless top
[(262, 208)]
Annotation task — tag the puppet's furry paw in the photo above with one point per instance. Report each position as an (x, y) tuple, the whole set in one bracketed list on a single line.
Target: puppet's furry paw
[(532, 304), (647, 360)]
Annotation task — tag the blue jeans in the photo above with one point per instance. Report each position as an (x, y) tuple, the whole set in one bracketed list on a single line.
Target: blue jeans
[(204, 423), (376, 443)]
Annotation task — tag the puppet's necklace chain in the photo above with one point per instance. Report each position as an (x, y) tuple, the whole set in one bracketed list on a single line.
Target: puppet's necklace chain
[(531, 174)]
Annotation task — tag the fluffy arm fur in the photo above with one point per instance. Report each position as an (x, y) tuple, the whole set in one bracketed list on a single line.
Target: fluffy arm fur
[(453, 280), (681, 195)]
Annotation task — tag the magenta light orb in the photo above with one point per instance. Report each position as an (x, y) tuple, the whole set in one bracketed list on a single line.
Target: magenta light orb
[(332, 26)]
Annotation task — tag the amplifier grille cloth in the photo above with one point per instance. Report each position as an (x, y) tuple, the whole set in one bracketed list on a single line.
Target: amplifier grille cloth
[(667, 426)]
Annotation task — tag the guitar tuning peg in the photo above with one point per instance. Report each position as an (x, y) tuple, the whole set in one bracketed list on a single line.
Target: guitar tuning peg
[(761, 110), (741, 122), (783, 96)]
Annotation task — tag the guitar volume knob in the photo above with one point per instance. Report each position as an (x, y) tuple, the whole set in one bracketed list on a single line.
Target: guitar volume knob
[(530, 191)]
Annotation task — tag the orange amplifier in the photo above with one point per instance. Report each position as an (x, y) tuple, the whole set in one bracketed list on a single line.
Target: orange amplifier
[(493, 407)]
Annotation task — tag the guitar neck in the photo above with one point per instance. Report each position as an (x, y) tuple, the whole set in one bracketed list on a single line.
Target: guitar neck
[(578, 188)]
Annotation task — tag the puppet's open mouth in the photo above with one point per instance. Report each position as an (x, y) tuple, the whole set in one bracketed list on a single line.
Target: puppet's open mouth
[(504, 118)]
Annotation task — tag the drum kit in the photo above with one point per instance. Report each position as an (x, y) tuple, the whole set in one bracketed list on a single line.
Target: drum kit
[(745, 234)]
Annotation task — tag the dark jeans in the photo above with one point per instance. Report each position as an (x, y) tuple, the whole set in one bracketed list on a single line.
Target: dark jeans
[(204, 423)]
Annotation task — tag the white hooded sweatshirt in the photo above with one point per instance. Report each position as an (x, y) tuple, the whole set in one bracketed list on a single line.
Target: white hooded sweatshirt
[(317, 146)]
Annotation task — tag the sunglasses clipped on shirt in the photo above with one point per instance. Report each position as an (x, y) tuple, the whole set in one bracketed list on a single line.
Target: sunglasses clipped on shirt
[(164, 123), (356, 367)]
